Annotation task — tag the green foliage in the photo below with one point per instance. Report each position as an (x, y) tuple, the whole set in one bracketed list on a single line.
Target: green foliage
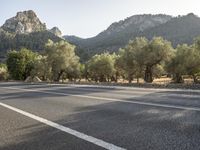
[(34, 41), (186, 61), (20, 63), (101, 67), (131, 58), (157, 51), (3, 72), (62, 59), (178, 30), (41, 68), (158, 70), (140, 57)]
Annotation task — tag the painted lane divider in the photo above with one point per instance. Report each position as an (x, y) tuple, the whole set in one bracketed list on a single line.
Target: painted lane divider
[(113, 99), (75, 133)]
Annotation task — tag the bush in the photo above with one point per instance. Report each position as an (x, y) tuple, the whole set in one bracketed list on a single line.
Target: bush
[(3, 72)]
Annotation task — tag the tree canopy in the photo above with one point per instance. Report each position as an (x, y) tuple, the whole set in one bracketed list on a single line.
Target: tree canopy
[(101, 67), (20, 63), (61, 58)]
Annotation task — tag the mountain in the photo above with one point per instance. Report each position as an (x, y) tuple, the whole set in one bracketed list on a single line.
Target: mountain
[(181, 29), (56, 31), (178, 30), (26, 30), (24, 23), (119, 33), (135, 24)]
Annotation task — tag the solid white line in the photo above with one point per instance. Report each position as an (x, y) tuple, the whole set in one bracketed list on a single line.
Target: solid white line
[(112, 99), (75, 133), (111, 86), (103, 90), (132, 88), (136, 93)]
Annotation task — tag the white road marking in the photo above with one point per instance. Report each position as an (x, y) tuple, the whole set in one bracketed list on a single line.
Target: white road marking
[(131, 88), (103, 90), (75, 133), (136, 93), (112, 99)]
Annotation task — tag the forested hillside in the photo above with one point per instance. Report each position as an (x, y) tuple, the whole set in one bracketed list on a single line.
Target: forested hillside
[(26, 30), (178, 30)]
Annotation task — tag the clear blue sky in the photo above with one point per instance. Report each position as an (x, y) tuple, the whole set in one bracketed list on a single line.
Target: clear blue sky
[(86, 18)]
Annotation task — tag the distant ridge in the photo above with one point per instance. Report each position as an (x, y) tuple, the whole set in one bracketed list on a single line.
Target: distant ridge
[(178, 30), (26, 30)]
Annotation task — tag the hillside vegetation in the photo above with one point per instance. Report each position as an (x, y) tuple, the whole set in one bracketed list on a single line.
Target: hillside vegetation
[(143, 47), (178, 30)]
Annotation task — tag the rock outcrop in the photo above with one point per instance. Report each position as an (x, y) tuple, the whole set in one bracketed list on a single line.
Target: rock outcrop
[(25, 30), (137, 23), (178, 30), (23, 23), (56, 31)]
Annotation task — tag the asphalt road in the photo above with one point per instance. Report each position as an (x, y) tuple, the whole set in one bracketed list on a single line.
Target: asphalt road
[(69, 117)]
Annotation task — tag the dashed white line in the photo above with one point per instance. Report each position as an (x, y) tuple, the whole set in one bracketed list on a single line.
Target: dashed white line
[(75, 133)]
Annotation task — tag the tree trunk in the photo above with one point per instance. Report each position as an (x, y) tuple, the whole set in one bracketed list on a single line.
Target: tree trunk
[(57, 79), (178, 78), (148, 77), (138, 80), (116, 78), (95, 79), (195, 79), (43, 78), (108, 79), (130, 78), (102, 78)]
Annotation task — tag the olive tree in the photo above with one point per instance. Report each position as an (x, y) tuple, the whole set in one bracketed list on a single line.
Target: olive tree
[(3, 72), (20, 63), (101, 67), (131, 58), (186, 61), (41, 68), (62, 58), (157, 51)]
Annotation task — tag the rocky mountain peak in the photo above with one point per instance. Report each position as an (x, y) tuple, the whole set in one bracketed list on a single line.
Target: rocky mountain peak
[(137, 23), (29, 14), (23, 23), (56, 31), (191, 15)]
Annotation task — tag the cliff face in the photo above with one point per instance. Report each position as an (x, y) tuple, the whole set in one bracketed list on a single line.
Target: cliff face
[(56, 31), (23, 23), (119, 33), (26, 30), (178, 30), (136, 23)]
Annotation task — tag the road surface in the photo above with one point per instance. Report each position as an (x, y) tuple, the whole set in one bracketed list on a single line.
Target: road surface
[(80, 117)]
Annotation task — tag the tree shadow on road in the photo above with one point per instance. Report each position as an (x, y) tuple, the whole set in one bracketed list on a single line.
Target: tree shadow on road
[(128, 125)]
